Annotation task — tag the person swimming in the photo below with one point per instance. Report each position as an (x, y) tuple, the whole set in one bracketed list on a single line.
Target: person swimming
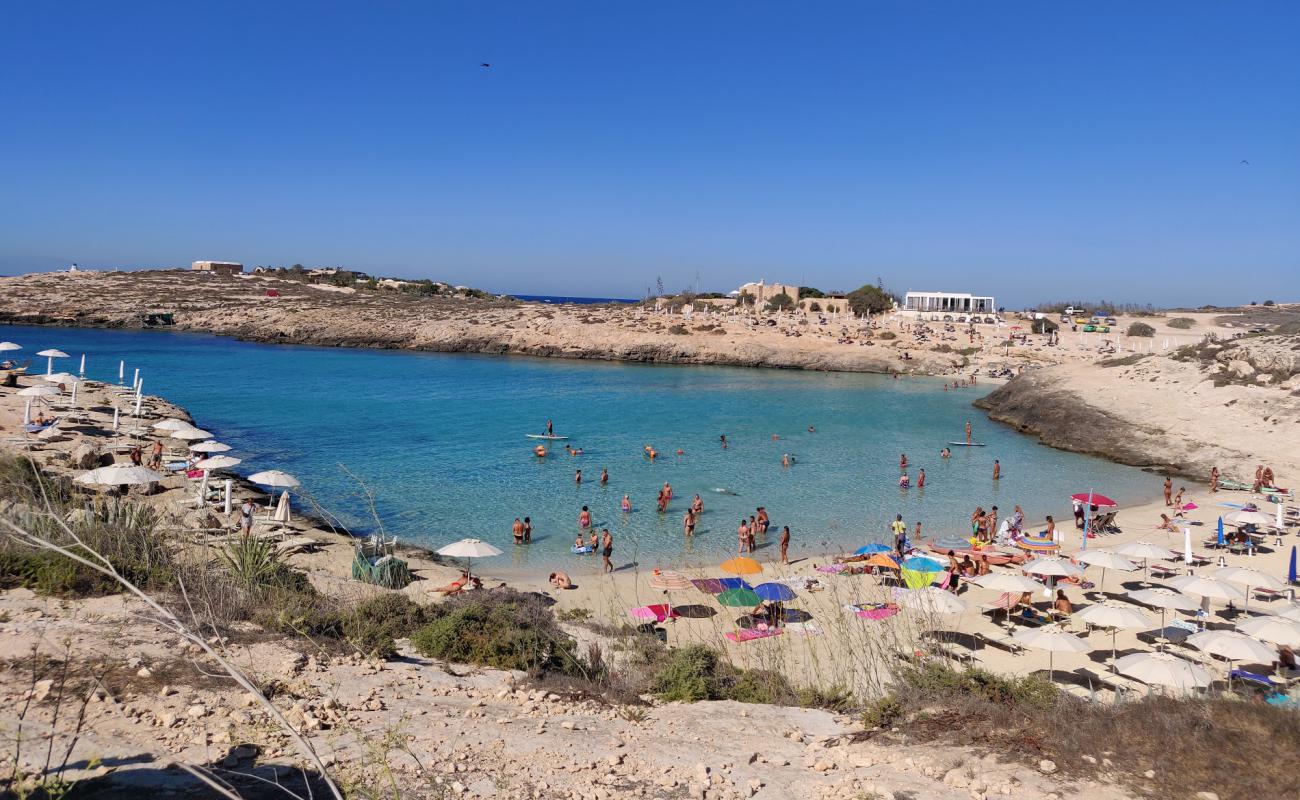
[(722, 490)]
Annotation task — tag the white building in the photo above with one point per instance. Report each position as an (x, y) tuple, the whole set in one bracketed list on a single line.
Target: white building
[(948, 303)]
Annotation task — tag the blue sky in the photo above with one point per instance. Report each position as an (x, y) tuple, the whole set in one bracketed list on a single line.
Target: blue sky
[(1036, 150)]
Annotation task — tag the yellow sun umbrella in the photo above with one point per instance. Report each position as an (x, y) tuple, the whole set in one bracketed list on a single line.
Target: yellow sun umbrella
[(741, 566)]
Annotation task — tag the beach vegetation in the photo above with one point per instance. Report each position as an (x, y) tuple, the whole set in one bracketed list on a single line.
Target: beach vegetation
[(1269, 303), (1181, 323), (814, 306), (679, 330), (500, 628), (745, 299), (1141, 329), (1043, 325), (870, 299), (780, 302)]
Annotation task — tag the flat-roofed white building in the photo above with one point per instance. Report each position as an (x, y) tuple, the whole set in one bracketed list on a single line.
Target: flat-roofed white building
[(220, 267), (948, 303)]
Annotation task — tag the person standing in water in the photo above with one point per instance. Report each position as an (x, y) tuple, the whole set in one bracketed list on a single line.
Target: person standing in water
[(528, 529), (688, 523), (920, 478), (697, 505), (723, 438), (997, 469), (945, 453), (902, 462), (968, 431), (785, 544), (604, 476), (577, 477), (518, 530), (584, 518), (627, 504), (742, 535)]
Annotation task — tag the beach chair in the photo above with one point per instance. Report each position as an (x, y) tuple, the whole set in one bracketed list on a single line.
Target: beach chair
[(1162, 572)]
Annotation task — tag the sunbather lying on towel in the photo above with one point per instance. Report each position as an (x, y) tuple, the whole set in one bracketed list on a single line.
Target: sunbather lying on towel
[(460, 584)]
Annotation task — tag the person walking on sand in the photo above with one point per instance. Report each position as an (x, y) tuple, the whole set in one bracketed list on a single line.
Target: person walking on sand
[(518, 531), (968, 431), (246, 516), (997, 469), (1169, 491), (1214, 479), (155, 459), (785, 544), (1178, 498), (607, 544), (920, 478), (899, 529)]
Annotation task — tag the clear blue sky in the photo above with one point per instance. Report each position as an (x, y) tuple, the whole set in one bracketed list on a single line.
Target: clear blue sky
[(1036, 150)]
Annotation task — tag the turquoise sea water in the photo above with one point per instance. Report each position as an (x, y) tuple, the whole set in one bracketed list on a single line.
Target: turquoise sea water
[(439, 440)]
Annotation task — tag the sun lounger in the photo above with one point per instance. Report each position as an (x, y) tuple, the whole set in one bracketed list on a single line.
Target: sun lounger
[(1161, 571), (1005, 602), (1264, 593), (1002, 642), (751, 634)]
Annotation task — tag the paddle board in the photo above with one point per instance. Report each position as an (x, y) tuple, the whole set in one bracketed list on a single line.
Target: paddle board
[(544, 436), (966, 444)]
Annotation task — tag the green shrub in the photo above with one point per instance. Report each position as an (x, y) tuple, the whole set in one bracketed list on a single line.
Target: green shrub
[(1141, 329), (373, 625), (779, 302), (1043, 325), (882, 712), (1181, 323), (501, 628), (689, 674), (887, 335)]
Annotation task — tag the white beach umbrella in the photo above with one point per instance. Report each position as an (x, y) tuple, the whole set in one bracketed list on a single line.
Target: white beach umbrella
[(1292, 613), (467, 549), (1006, 582), (172, 424), (1165, 600), (1056, 567), (1203, 586), (1248, 518), (278, 479), (931, 599), (1232, 646), (282, 510), (1245, 576), (1053, 640), (82, 370), (7, 346), (51, 354), (1113, 616), (118, 475), (209, 447), (1143, 550), (61, 377), (191, 434), (1162, 669), (39, 391), (217, 462), (1106, 560), (1273, 629), (27, 412)]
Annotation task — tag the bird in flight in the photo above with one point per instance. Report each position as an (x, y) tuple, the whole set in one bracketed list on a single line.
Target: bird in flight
[(485, 65)]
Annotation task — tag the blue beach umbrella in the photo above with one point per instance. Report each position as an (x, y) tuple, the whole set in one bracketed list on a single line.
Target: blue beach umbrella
[(1219, 537), (923, 564), (869, 549), (733, 583), (1290, 573), (774, 592)]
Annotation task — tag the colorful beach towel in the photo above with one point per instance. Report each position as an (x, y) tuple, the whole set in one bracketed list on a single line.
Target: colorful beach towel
[(751, 634), (872, 611), (658, 612), (832, 569)]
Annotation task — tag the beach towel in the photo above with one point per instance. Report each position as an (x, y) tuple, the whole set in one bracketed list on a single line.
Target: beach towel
[(872, 611), (658, 612), (802, 629), (832, 569), (719, 585), (753, 633)]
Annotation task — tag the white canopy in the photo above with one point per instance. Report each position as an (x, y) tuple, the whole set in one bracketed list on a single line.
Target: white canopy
[(119, 474), (191, 433), (61, 377), (280, 480), (1292, 613), (1105, 559), (39, 391), (9, 346), (1233, 646), (1113, 615), (1275, 630), (1143, 550), (52, 353), (172, 425), (1052, 566), (1202, 586), (1007, 582), (1051, 639), (218, 462), (1162, 669), (1164, 598), (931, 599), (209, 447), (1248, 518), (465, 548)]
